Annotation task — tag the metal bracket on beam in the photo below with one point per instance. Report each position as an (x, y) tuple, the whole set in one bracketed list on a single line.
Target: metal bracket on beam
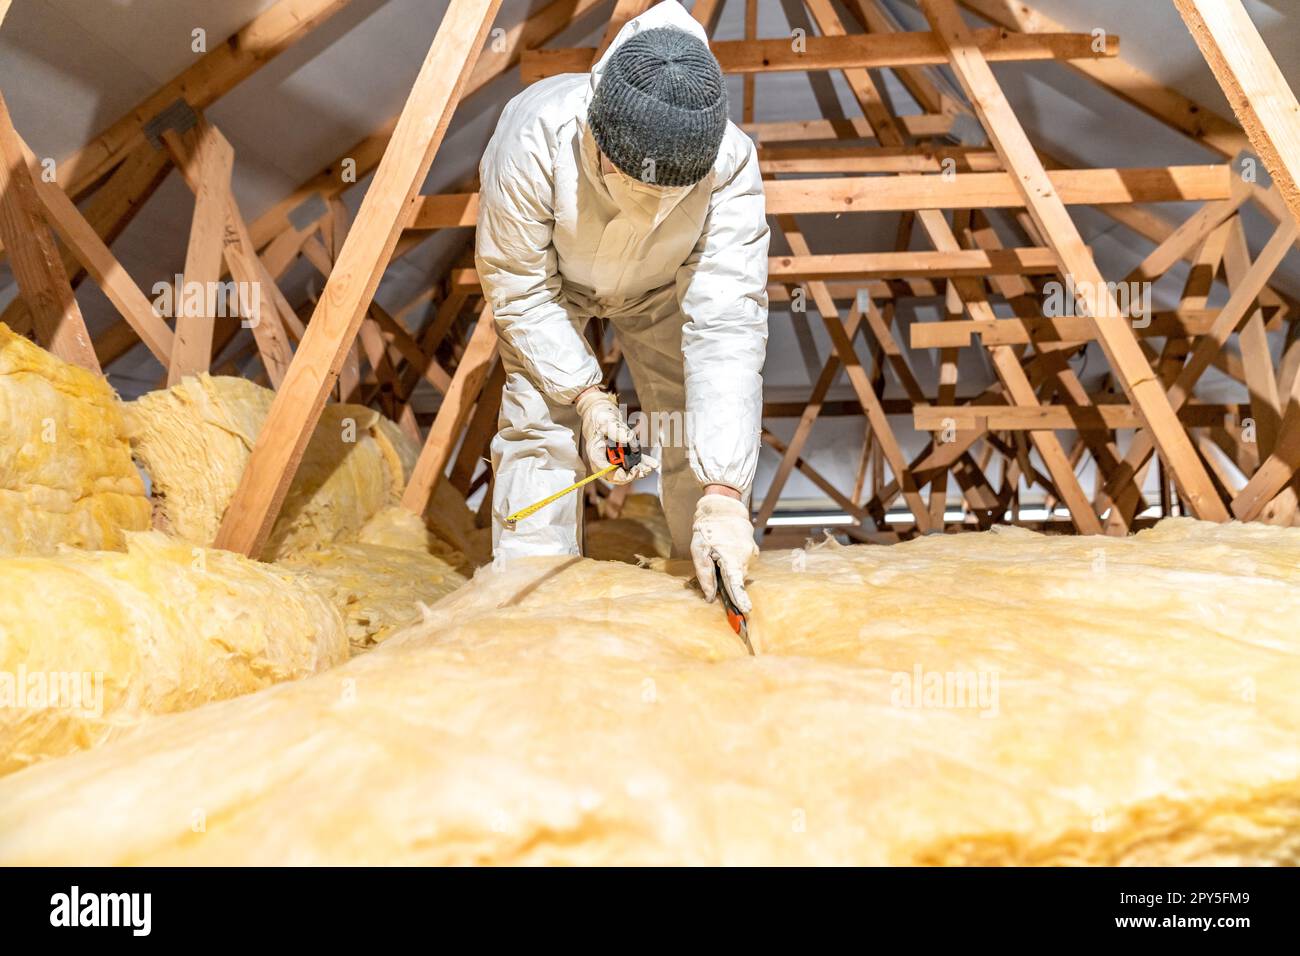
[(178, 116), (308, 213)]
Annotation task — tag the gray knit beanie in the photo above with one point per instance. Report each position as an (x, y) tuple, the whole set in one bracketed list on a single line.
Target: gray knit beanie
[(660, 108)]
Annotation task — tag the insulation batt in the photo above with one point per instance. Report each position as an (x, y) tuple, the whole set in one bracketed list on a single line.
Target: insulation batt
[(66, 476), (163, 627), (379, 589), (194, 439), (573, 711), (395, 527)]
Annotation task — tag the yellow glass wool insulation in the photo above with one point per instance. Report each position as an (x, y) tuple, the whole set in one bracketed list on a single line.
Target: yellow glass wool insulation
[(1121, 701), (66, 476), (379, 589), (163, 627), (395, 527), (194, 439)]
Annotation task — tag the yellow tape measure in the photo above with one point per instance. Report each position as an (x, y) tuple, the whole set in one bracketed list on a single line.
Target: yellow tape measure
[(512, 520)]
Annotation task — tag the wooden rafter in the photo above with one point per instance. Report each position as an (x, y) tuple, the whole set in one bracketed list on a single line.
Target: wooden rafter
[(352, 284), (213, 161), (92, 252), (217, 72), (1053, 221), (42, 279), (1256, 89)]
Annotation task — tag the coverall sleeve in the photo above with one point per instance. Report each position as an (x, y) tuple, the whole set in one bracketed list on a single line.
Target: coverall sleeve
[(722, 289), (517, 265)]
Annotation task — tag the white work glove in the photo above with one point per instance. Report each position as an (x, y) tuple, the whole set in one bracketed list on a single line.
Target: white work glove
[(723, 535), (603, 423)]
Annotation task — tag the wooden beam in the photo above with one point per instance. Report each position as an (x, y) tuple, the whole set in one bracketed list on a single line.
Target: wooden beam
[(1017, 385), (363, 156), (815, 476), (395, 333), (258, 42), (1074, 330), (1051, 360), (1030, 260), (706, 12), (34, 258), (1239, 305), (466, 384), (90, 250), (1126, 81), (808, 415), (531, 32), (1255, 87), (430, 338), (924, 125), (996, 190), (1107, 417), (271, 325), (108, 212), (861, 382), (924, 158), (275, 315), (1054, 223), (624, 10), (749, 82), (351, 286), (213, 160), (1188, 236), (914, 266), (443, 211), (845, 52), (918, 80), (903, 193), (1279, 469), (482, 427), (1252, 342), (1141, 90)]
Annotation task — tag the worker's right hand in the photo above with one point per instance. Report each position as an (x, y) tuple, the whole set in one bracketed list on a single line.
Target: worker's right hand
[(723, 535), (603, 424)]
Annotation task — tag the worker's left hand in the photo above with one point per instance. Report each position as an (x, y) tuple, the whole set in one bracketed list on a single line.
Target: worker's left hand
[(603, 424), (725, 535)]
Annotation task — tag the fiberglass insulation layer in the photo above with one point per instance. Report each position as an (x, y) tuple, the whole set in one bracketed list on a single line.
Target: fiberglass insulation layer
[(66, 476), (194, 439), (379, 589), (1124, 701), (92, 641)]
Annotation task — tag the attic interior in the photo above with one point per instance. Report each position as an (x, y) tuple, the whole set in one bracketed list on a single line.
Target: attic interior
[(1026, 481)]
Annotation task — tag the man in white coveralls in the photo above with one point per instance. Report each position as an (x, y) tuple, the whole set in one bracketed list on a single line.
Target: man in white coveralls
[(628, 195)]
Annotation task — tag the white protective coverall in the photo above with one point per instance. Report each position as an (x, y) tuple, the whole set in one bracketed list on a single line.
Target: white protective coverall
[(681, 274)]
